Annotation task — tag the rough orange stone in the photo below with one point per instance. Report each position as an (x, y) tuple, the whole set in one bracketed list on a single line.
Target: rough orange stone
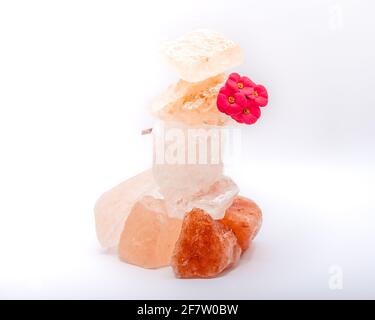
[(149, 234), (205, 247), (244, 218)]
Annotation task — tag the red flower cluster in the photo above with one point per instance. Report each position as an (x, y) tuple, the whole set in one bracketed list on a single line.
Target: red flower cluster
[(241, 98)]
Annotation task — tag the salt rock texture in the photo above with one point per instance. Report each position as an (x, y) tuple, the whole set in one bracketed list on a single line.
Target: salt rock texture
[(191, 103), (204, 248), (176, 177), (113, 207), (149, 235), (244, 218), (214, 200), (201, 54)]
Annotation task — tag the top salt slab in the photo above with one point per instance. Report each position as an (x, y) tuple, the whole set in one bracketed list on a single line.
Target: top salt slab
[(202, 54)]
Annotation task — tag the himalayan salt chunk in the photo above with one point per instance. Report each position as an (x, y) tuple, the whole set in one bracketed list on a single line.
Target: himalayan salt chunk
[(149, 235), (201, 54), (192, 103), (214, 200), (205, 247), (244, 218), (181, 167), (113, 207)]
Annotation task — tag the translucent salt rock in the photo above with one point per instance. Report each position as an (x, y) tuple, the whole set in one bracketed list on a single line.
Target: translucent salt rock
[(215, 199), (192, 103), (113, 207), (205, 247), (149, 235), (188, 171), (244, 218), (202, 54)]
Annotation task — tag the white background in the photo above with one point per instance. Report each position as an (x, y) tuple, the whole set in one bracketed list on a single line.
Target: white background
[(76, 78)]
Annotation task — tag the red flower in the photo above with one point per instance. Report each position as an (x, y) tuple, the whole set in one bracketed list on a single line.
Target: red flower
[(230, 102), (237, 83), (241, 98), (249, 115), (258, 94)]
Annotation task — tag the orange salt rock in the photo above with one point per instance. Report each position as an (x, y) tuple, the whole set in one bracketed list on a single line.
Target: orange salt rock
[(205, 247), (244, 218), (149, 234)]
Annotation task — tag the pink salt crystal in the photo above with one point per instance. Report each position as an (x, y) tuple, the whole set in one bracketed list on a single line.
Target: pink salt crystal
[(192, 103), (201, 54), (149, 235), (189, 169), (244, 218), (215, 199), (113, 207), (205, 247)]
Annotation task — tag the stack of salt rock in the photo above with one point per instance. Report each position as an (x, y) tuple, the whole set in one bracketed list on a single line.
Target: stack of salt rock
[(184, 212)]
